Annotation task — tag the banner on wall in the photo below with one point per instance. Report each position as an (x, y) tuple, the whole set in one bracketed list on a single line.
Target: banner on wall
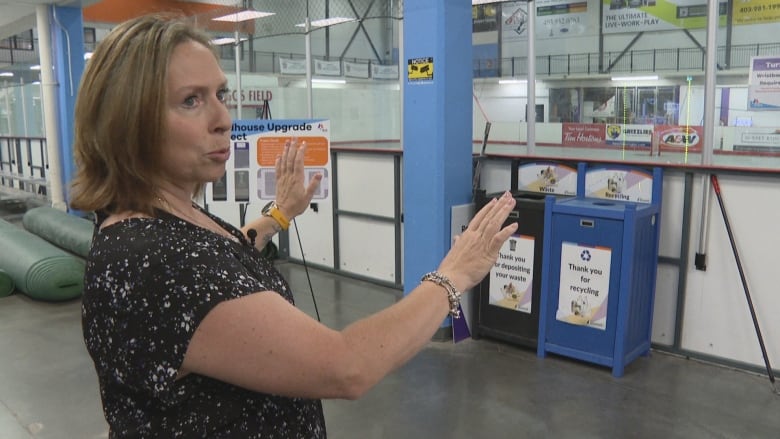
[(289, 66), (327, 68), (554, 19), (764, 83), (628, 134), (484, 18), (355, 70), (380, 71), (623, 16), (756, 12), (251, 173)]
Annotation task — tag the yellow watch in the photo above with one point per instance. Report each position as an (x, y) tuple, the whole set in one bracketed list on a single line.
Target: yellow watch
[(272, 210)]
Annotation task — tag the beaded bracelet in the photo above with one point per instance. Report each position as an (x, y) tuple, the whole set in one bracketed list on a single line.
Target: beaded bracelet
[(453, 295)]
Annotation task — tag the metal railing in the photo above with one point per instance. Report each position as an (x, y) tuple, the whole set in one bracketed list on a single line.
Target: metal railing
[(24, 164), (645, 61)]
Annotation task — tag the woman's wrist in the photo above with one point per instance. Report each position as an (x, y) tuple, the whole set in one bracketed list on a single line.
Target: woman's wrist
[(275, 212)]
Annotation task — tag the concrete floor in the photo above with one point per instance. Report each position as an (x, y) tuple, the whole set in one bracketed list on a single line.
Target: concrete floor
[(473, 389)]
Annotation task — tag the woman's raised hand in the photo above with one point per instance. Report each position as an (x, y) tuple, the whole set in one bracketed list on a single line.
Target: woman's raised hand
[(292, 196), (476, 249)]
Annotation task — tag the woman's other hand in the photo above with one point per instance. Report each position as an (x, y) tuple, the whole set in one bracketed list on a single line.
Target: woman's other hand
[(292, 196), (476, 249)]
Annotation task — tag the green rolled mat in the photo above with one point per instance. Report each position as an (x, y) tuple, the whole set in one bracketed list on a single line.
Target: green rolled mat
[(61, 229), (6, 284), (38, 268)]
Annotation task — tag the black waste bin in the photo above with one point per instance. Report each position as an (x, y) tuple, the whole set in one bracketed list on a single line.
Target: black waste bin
[(506, 303)]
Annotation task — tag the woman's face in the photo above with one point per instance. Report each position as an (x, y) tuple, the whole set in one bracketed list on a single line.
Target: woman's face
[(196, 144)]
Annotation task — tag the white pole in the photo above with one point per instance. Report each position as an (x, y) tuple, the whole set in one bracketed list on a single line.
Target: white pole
[(49, 103), (24, 107), (710, 73), (237, 53), (309, 103), (531, 106)]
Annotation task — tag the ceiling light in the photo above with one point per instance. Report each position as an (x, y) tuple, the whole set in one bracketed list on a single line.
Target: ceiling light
[(328, 81), (482, 2), (6, 74), (327, 22), (243, 16), (635, 78), (87, 55), (221, 41), (513, 81), (35, 67)]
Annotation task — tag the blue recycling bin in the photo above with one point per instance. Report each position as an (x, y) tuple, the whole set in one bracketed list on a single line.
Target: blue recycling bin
[(598, 284)]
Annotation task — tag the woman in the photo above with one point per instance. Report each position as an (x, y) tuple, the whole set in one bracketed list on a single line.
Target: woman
[(192, 333)]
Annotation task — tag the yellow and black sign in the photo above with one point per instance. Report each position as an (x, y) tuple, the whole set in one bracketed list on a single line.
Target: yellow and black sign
[(419, 69)]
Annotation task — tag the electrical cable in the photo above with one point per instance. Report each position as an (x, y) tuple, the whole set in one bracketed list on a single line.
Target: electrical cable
[(306, 269)]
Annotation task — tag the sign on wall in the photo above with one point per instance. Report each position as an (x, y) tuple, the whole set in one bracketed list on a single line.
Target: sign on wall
[(255, 144), (764, 83)]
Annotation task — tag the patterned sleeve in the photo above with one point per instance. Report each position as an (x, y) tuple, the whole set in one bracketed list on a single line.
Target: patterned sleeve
[(178, 284)]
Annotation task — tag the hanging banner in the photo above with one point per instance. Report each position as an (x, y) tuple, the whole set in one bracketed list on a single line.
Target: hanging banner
[(584, 287), (379, 71), (548, 178), (255, 144), (764, 83), (619, 184), (327, 68), (289, 66), (512, 278), (756, 12), (622, 16), (554, 19), (355, 70)]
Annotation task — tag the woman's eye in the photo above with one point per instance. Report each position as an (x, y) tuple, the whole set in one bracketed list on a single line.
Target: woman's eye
[(190, 101), (222, 94)]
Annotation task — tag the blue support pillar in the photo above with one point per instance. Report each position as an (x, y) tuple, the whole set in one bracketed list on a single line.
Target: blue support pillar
[(437, 137), (67, 36)]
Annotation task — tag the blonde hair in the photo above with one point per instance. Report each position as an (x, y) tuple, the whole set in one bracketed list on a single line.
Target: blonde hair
[(119, 115)]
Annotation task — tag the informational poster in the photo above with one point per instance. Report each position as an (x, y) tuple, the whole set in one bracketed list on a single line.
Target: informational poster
[(255, 144), (584, 287), (764, 83), (512, 276), (619, 184), (549, 178)]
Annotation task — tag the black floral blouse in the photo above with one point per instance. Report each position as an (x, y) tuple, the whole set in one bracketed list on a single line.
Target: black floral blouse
[(149, 283)]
